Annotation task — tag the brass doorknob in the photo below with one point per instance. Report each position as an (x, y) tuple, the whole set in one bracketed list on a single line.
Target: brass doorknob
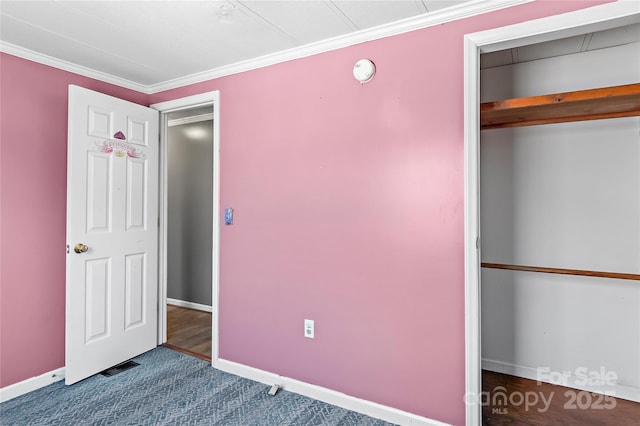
[(80, 248)]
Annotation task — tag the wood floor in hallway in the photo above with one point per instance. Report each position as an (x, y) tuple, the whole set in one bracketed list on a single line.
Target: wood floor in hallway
[(189, 331)]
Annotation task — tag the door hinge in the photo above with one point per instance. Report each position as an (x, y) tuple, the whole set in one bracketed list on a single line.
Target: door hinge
[(477, 243), (67, 248)]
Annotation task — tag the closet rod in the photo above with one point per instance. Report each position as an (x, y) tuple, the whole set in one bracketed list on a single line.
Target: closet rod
[(563, 271)]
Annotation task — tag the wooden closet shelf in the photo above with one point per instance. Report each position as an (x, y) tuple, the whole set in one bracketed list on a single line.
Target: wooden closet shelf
[(617, 275), (593, 104)]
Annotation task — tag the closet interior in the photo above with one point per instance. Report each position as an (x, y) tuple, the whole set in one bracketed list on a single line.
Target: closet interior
[(581, 105), (560, 212)]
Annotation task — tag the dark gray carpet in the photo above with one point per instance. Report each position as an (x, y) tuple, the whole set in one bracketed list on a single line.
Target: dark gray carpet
[(169, 388)]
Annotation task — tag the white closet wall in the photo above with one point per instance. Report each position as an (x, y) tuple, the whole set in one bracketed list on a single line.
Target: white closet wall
[(565, 196)]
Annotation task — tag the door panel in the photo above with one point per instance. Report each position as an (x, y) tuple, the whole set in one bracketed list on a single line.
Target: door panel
[(100, 123), (112, 208), (98, 192), (138, 131), (136, 194), (97, 285), (135, 286)]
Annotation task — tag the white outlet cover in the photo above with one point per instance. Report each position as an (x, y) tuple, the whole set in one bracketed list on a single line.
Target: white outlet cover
[(309, 328)]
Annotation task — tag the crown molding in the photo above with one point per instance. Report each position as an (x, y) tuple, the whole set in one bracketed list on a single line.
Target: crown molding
[(462, 11), (43, 59)]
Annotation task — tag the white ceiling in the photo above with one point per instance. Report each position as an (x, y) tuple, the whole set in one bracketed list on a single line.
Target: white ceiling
[(150, 42), (155, 45), (566, 46)]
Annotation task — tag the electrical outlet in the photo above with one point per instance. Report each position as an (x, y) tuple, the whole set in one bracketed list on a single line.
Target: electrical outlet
[(309, 330)]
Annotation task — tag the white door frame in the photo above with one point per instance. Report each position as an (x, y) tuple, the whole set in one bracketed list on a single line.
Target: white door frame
[(583, 21), (209, 98)]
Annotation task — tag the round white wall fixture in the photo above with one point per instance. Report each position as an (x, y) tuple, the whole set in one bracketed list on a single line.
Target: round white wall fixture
[(364, 70)]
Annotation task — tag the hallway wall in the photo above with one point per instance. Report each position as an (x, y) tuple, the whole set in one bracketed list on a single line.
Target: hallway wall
[(190, 204)]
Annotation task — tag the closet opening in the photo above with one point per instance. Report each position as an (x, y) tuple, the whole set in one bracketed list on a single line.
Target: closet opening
[(189, 229), (559, 220)]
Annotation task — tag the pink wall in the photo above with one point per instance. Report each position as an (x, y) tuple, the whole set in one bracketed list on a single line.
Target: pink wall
[(33, 170), (349, 211)]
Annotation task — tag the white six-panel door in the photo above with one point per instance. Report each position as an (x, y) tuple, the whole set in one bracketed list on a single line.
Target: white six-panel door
[(112, 213)]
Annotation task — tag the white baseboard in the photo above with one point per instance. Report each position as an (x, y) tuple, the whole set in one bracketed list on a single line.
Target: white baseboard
[(190, 305), (569, 380), (29, 385), (329, 396)]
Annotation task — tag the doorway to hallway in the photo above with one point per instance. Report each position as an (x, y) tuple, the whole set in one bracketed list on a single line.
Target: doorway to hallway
[(189, 243)]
